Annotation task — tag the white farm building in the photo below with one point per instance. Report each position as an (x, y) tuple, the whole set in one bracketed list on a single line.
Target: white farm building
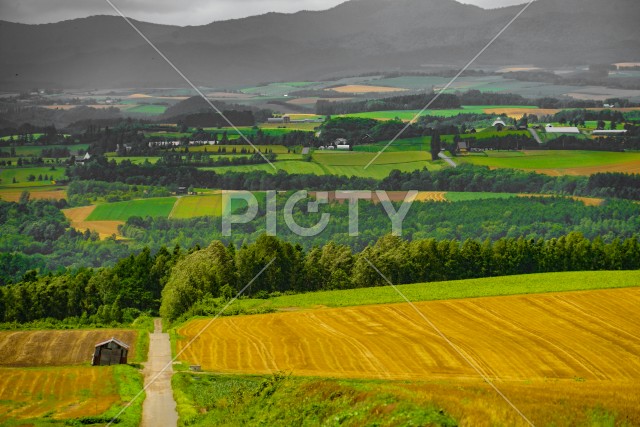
[(572, 130)]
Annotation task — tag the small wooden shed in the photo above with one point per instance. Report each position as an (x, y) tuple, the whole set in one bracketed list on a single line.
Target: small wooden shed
[(110, 352)]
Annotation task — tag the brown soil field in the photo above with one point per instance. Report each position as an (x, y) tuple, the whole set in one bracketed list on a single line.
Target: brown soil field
[(558, 356), (594, 335), (57, 348), (517, 113), (77, 217), (66, 392), (10, 195), (366, 89), (629, 167)]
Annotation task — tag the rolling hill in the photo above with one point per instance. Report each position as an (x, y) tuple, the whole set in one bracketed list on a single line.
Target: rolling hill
[(356, 36)]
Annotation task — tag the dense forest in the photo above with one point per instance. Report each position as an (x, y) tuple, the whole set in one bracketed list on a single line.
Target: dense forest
[(173, 282), (35, 235)]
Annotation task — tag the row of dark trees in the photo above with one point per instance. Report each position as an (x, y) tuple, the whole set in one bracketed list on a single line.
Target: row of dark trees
[(405, 102), (174, 281), (464, 178)]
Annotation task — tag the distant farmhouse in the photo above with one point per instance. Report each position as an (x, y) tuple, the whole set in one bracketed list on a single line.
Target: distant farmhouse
[(463, 147), (85, 159), (499, 124), (338, 144), (572, 130), (287, 119), (342, 144)]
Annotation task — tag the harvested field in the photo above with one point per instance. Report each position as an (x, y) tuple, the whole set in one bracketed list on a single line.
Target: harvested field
[(366, 89), (592, 335), (517, 113), (78, 216), (57, 348), (431, 196), (13, 195), (628, 167), (66, 392)]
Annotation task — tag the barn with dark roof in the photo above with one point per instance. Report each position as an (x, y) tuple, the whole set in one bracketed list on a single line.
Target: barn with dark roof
[(110, 352)]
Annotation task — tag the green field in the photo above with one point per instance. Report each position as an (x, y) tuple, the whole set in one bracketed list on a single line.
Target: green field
[(21, 175), (454, 196), (35, 136), (410, 114), (121, 211), (473, 288), (420, 143), (152, 110), (550, 159), (195, 206), (277, 89), (134, 160), (347, 164), (213, 149), (36, 150)]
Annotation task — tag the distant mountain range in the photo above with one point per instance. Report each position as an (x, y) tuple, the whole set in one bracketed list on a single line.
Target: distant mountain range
[(355, 37)]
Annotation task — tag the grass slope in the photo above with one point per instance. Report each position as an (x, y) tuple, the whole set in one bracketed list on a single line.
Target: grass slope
[(560, 161), (473, 288)]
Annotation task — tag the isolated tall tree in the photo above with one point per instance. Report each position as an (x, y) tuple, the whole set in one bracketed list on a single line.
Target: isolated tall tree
[(435, 146)]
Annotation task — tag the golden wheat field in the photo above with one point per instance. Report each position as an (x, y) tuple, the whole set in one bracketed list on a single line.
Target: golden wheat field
[(571, 350), (57, 348), (64, 392), (593, 335), (12, 195)]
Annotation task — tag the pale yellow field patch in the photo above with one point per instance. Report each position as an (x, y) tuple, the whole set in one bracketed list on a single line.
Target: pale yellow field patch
[(366, 89)]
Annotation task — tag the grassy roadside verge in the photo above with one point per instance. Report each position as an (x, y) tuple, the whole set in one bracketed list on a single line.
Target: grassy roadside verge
[(280, 400)]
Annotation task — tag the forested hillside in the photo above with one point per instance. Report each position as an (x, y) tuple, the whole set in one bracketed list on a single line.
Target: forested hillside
[(172, 282)]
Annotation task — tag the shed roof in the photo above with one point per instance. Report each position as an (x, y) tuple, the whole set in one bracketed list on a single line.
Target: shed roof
[(551, 129), (117, 341)]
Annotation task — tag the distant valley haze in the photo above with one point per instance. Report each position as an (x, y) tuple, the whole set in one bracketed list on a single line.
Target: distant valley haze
[(358, 36)]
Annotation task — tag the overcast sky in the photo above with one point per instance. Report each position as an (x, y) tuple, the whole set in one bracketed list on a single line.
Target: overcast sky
[(184, 12)]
